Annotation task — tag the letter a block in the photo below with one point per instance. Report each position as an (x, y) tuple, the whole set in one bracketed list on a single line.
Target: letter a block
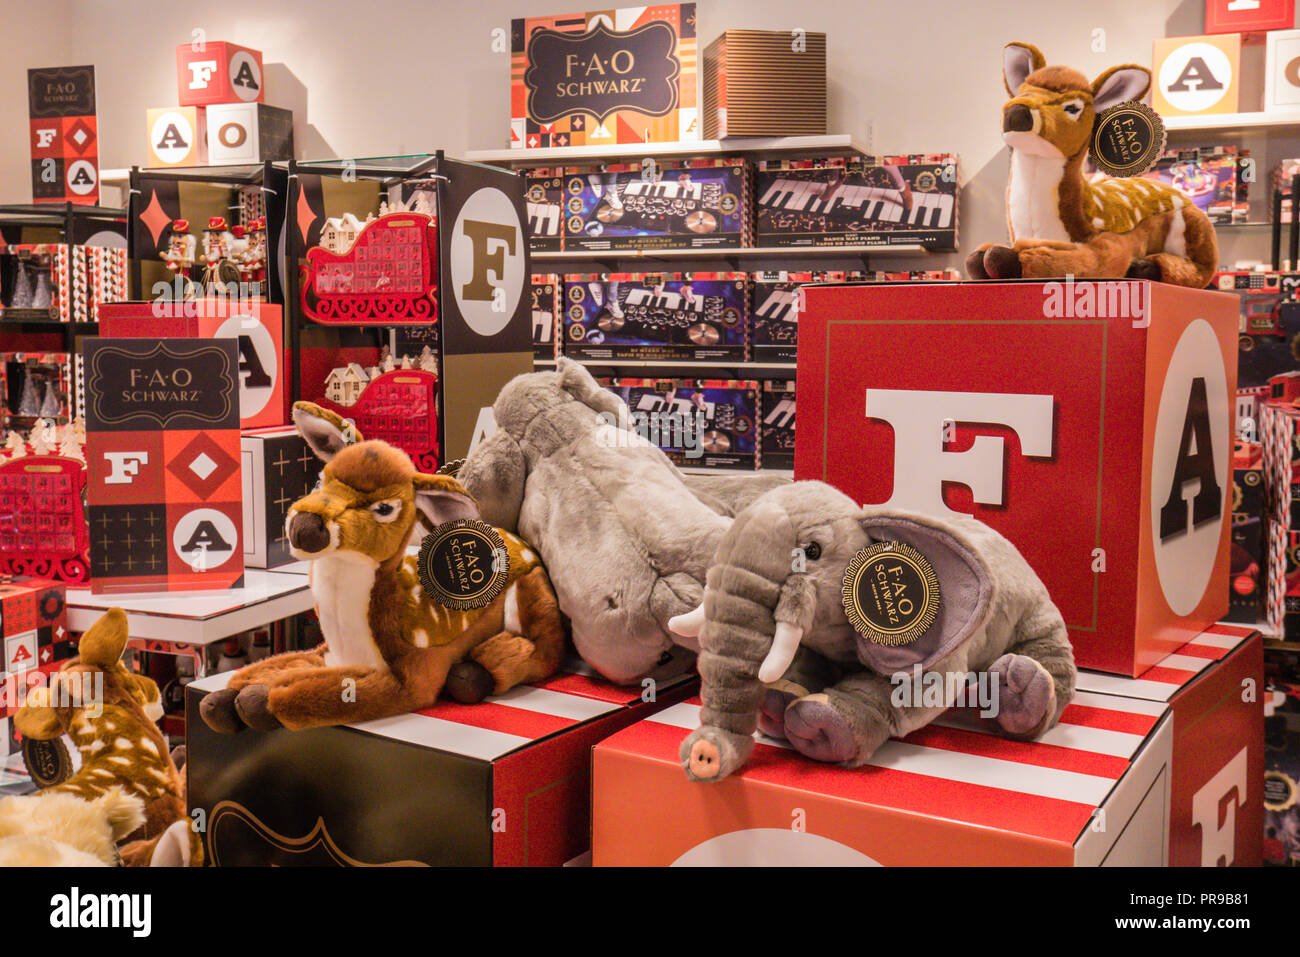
[(218, 73), (1091, 423)]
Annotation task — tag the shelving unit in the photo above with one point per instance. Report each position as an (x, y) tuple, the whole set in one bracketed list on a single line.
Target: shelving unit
[(687, 367), (1228, 123), (733, 253), (831, 144)]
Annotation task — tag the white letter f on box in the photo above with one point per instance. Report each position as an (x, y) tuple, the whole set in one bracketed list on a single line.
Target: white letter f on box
[(921, 465)]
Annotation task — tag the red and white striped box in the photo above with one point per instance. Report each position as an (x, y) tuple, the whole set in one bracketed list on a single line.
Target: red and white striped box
[(1214, 686), (503, 782)]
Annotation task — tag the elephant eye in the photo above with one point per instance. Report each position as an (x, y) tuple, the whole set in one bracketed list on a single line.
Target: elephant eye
[(812, 551)]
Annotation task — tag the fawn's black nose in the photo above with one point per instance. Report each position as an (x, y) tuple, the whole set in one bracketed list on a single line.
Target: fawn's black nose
[(1017, 118), (307, 532)]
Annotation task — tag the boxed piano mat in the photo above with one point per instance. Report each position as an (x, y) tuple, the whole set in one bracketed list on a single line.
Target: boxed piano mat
[(544, 288), (699, 423), (777, 426), (692, 204), (867, 200), (544, 200), (690, 316)]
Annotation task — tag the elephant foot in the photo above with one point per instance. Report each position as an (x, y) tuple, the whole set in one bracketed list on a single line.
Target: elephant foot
[(771, 711), (469, 682), (254, 706), (710, 754), (819, 731), (1144, 269), (1002, 262), (217, 709), (1026, 695)]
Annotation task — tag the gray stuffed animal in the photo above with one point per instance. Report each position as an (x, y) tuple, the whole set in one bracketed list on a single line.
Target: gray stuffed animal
[(625, 538), (780, 653)]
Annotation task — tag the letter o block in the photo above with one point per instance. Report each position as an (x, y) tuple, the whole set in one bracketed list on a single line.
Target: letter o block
[(1069, 416), (249, 133)]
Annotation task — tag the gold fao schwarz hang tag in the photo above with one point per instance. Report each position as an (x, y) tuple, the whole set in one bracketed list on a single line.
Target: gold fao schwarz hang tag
[(1127, 139), (463, 564), (890, 593)]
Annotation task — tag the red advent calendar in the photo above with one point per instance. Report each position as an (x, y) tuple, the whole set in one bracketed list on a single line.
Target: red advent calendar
[(165, 485), (42, 523), (401, 408), (1090, 423)]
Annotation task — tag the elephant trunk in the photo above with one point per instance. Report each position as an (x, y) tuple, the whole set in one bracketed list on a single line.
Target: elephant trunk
[(755, 613)]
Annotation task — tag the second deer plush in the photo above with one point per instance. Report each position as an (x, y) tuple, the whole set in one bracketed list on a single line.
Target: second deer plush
[(389, 646), (1063, 225)]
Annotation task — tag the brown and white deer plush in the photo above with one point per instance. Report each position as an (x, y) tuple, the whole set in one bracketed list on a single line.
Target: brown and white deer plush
[(390, 647), (1063, 225)]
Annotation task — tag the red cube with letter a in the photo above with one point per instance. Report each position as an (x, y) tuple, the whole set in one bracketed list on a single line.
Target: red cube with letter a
[(1252, 16), (217, 72), (1089, 422)]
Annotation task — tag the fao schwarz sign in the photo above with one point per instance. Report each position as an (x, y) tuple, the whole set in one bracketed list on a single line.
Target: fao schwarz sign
[(602, 72)]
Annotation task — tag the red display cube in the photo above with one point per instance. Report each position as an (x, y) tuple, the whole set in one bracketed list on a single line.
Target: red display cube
[(1090, 423), (218, 72)]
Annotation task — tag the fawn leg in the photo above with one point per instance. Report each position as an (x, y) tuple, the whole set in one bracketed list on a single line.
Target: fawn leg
[(536, 651), (975, 263), (1105, 256), (320, 697), (259, 671), (218, 709)]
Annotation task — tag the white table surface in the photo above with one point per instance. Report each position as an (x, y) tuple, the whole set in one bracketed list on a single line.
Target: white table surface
[(200, 617)]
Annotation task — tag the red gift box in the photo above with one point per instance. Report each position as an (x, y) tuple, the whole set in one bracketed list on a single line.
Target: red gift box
[(218, 72), (1090, 423)]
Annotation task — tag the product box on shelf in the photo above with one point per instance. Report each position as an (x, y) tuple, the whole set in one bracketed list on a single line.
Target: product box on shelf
[(544, 201), (1282, 774), (777, 423), (503, 782), (1216, 771), (868, 200), (690, 316), (214, 71), (765, 83), (1209, 176), (546, 290), (278, 469), (1246, 578), (699, 423), (164, 486), (33, 623), (1139, 422), (400, 407), (690, 204), (178, 136), (245, 133), (605, 77), (256, 326), (953, 793)]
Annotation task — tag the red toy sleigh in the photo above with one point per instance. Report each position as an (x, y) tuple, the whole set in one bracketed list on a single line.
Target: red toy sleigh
[(42, 518), (400, 407), (388, 276)]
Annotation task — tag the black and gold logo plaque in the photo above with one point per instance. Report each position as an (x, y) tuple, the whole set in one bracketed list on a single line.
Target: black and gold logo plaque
[(1127, 139), (463, 564), (890, 593), (48, 761)]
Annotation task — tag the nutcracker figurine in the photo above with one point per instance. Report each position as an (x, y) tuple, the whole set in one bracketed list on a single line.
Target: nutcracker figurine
[(217, 243), (255, 256), (179, 254)]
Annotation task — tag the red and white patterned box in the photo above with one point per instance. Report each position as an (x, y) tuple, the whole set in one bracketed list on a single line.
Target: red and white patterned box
[(1214, 686), (503, 782), (218, 72)]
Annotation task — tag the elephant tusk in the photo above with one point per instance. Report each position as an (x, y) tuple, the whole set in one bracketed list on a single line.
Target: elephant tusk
[(784, 644), (688, 625)]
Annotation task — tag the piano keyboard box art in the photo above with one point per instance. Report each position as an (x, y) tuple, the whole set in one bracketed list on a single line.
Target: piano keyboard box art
[(699, 423), (628, 75), (544, 202), (689, 316), (765, 83), (695, 204), (890, 200), (777, 423), (545, 289), (164, 489)]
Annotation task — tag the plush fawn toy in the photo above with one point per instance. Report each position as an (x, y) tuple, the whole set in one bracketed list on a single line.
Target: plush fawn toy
[(59, 830), (116, 735), (1060, 223), (390, 646)]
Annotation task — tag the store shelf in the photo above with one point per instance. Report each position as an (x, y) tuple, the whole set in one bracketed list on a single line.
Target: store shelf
[(1284, 121), (828, 144), (700, 470), (759, 370), (753, 252)]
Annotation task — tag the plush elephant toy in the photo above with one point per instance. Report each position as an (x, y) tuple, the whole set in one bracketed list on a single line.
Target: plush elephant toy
[(818, 611), (624, 535)]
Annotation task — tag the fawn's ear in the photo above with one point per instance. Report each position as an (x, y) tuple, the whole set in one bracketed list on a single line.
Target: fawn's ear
[(440, 498), (1120, 84), (326, 432), (103, 644), (1018, 61)]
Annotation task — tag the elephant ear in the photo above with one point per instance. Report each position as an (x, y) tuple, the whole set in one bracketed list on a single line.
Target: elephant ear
[(965, 589), (579, 383)]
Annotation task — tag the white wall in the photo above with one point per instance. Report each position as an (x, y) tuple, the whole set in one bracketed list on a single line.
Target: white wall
[(42, 39), (405, 76)]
